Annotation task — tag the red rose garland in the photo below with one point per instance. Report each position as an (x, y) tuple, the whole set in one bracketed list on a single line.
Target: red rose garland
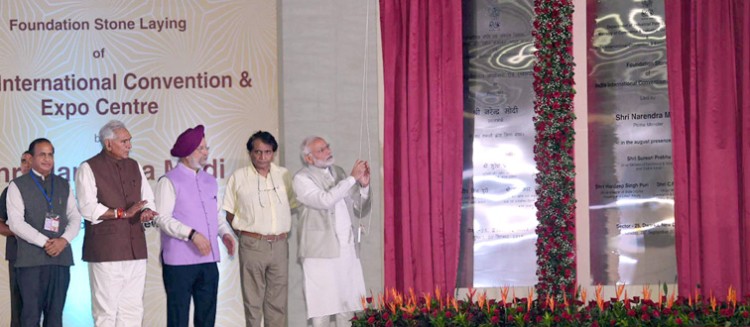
[(553, 147)]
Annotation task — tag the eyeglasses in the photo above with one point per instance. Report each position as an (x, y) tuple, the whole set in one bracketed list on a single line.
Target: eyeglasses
[(264, 193)]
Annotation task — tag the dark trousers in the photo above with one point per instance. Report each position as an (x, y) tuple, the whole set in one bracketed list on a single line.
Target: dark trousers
[(199, 282), (43, 290), (15, 297)]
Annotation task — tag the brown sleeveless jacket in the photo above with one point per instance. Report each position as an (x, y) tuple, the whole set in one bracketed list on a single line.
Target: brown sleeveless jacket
[(118, 184)]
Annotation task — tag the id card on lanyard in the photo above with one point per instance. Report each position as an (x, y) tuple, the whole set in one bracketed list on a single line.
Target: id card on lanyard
[(51, 219)]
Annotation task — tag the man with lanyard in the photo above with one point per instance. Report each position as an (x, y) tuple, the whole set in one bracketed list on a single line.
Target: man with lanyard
[(43, 215), (10, 247), (257, 201), (115, 198), (190, 225)]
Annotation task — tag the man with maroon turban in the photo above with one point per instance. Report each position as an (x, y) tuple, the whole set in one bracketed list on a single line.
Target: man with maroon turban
[(190, 226)]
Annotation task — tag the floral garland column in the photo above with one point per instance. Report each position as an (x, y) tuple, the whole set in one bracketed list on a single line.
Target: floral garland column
[(553, 148)]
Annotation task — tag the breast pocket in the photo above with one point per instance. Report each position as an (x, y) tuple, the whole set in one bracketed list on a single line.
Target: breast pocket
[(246, 203)]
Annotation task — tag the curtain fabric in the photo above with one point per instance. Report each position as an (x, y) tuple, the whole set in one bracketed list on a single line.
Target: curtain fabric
[(423, 81), (708, 66)]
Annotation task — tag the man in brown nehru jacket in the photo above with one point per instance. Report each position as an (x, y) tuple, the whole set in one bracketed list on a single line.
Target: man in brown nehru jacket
[(114, 198)]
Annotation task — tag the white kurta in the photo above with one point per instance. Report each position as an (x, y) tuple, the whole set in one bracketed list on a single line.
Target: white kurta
[(335, 285)]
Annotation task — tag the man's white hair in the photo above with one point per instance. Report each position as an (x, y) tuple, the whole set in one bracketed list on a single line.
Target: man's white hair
[(304, 148), (107, 132)]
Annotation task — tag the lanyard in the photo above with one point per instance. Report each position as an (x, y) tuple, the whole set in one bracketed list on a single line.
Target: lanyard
[(46, 196)]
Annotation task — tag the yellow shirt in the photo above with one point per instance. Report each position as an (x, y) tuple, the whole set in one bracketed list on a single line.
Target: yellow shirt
[(260, 204)]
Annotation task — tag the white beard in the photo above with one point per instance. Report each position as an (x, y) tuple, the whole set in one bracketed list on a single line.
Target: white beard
[(193, 163), (323, 163)]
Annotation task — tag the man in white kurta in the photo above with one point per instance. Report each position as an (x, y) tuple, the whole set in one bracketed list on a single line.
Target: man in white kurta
[(114, 198), (332, 203)]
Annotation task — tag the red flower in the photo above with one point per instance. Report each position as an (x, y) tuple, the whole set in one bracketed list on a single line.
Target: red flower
[(495, 319), (371, 320)]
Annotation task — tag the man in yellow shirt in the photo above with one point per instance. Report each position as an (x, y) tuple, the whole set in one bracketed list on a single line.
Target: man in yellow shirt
[(257, 202)]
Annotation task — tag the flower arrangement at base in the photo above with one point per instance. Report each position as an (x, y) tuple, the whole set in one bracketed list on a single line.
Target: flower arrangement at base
[(396, 309)]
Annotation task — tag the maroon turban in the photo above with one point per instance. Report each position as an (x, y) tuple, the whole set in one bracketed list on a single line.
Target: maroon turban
[(187, 142)]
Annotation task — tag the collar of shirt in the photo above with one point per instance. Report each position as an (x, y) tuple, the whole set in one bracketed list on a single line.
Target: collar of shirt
[(271, 169), (327, 171), (38, 174), (181, 166)]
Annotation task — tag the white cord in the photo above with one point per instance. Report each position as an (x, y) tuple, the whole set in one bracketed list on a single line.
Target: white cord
[(365, 105), (364, 127)]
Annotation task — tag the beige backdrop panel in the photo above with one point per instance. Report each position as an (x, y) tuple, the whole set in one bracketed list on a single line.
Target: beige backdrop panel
[(227, 38), (329, 84)]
